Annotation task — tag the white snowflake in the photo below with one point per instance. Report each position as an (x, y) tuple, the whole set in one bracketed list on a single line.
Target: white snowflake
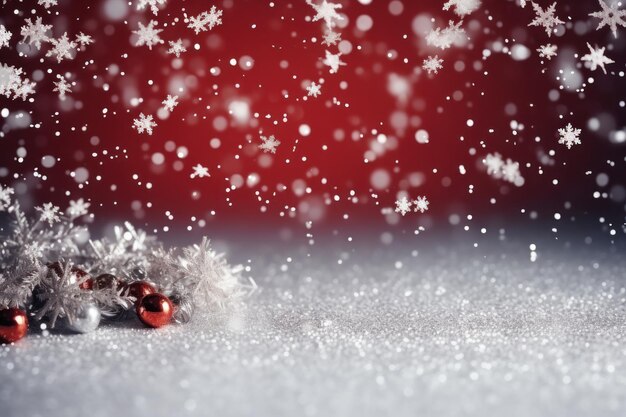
[(144, 124), (62, 48), (494, 164), (170, 102), (49, 213), (545, 18), (153, 4), (35, 33), (77, 208), (326, 11), (420, 204), (200, 171), (432, 64), (444, 38), (269, 144), (510, 171), (47, 3), (462, 7), (403, 206), (596, 58), (333, 61), (84, 39), (5, 37), (148, 35), (331, 38), (62, 87), (569, 136), (176, 48), (13, 84), (547, 51), (523, 3), (314, 89), (5, 197), (205, 20), (610, 15)]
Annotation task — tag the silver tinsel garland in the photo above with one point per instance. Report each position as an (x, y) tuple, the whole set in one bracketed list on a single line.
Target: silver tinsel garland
[(44, 268)]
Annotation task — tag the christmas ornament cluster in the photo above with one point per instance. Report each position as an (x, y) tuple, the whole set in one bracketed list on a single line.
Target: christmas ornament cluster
[(53, 275)]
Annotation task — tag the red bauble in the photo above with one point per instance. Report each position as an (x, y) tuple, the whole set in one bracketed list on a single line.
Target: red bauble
[(140, 289), (155, 310), (13, 325), (107, 281), (58, 267)]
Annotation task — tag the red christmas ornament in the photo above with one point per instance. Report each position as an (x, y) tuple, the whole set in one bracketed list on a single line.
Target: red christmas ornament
[(13, 325), (107, 281), (87, 284), (155, 310), (140, 289)]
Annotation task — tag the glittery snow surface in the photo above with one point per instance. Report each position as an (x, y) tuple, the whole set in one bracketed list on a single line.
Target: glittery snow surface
[(440, 333)]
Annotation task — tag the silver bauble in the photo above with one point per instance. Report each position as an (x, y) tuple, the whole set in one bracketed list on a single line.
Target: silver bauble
[(85, 320)]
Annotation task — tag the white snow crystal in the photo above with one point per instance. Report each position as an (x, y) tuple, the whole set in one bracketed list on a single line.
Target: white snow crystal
[(205, 20), (333, 61), (432, 64), (148, 35), (269, 144), (462, 7), (35, 33), (421, 204), (547, 51), (611, 16), (176, 48), (153, 4), (545, 18), (144, 123), (326, 11), (62, 48), (170, 102), (200, 172), (5, 37), (569, 136), (596, 58), (62, 87), (444, 38), (47, 3), (314, 89), (13, 84), (403, 206)]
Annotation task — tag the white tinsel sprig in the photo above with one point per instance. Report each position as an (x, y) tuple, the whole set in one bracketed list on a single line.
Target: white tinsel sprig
[(44, 267)]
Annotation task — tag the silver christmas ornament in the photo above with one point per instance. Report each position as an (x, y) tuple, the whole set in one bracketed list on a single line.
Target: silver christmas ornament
[(86, 319)]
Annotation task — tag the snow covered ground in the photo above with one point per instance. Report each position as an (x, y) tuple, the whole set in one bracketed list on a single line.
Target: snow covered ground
[(448, 332)]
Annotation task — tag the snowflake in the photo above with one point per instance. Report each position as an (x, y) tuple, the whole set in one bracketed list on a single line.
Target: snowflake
[(314, 89), (148, 35), (462, 7), (444, 38), (170, 102), (62, 87), (269, 144), (494, 164), (5, 197), (176, 48), (83, 39), (144, 123), (432, 64), (421, 204), (523, 3), (36, 33), (61, 293), (5, 37), (545, 18), (610, 15), (403, 206), (510, 171), (13, 84), (152, 3), (200, 172), (547, 51), (596, 58), (569, 136), (331, 38), (77, 208), (47, 3), (62, 48), (205, 20), (326, 11), (49, 213), (211, 279), (333, 61)]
